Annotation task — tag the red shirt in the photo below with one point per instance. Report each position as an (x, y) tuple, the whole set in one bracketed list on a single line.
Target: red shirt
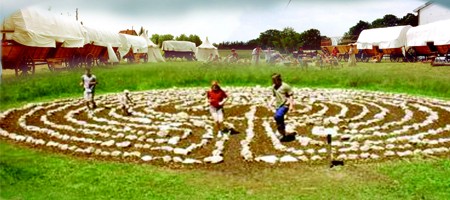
[(216, 96), (335, 52)]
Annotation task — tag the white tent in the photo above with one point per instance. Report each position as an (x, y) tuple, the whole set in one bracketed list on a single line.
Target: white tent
[(384, 38), (436, 32), (154, 53), (136, 43), (106, 39), (172, 45), (40, 28), (205, 50)]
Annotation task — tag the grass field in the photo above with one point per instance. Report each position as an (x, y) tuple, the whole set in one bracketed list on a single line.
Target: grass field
[(33, 174)]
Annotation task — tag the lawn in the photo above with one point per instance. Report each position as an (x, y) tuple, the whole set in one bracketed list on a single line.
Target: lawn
[(35, 174)]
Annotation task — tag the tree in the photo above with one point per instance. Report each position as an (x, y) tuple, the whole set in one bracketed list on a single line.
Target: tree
[(409, 19), (182, 37), (310, 39), (270, 38), (386, 21), (353, 33), (290, 39), (155, 39), (195, 39), (159, 39)]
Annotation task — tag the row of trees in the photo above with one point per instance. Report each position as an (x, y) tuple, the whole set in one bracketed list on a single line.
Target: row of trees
[(387, 21), (288, 40), (159, 39)]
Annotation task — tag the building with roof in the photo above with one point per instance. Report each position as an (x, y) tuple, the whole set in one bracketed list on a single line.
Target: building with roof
[(432, 12)]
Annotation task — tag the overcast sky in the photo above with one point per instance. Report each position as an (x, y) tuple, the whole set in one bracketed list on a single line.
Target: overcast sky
[(223, 20)]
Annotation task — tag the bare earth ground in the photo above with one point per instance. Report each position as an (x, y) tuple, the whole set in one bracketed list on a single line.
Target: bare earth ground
[(233, 161)]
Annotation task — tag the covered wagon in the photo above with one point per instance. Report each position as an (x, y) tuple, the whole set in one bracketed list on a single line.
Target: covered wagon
[(32, 36), (430, 39), (102, 47), (133, 48), (179, 49), (378, 42)]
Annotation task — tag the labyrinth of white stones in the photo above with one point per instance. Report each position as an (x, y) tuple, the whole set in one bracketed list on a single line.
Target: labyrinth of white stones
[(173, 127)]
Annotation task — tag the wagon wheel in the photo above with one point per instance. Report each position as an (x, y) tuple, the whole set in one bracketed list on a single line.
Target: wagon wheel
[(346, 57), (75, 62), (366, 59), (90, 61), (101, 61), (25, 66), (50, 66), (130, 59), (393, 58), (145, 57)]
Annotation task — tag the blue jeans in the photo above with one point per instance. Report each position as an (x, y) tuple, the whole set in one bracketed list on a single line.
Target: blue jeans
[(279, 118)]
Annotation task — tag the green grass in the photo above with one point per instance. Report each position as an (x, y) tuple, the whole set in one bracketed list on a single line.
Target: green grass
[(417, 78), (33, 174)]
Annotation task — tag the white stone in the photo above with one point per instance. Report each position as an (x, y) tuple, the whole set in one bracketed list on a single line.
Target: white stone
[(173, 140), (341, 157), (364, 155), (131, 137), (288, 158), (303, 158), (191, 161), (268, 159), (116, 153), (167, 158), (123, 144), (177, 159), (182, 115), (180, 151), (147, 158), (213, 159), (316, 157)]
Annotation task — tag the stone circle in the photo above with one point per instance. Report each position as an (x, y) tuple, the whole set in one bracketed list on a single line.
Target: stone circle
[(174, 126)]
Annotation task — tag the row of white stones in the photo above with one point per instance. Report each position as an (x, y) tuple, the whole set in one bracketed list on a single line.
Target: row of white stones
[(279, 147)]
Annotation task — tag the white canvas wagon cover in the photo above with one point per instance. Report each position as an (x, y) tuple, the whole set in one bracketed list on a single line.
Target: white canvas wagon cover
[(39, 28), (103, 38), (172, 45), (436, 32), (137, 43), (384, 38)]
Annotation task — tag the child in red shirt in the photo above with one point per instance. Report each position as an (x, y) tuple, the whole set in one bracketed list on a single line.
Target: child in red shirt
[(216, 98)]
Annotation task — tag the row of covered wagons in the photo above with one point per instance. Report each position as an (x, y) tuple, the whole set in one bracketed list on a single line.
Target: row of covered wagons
[(31, 36), (401, 43)]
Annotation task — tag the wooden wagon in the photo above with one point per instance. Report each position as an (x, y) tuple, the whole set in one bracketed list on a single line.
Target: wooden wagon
[(342, 51), (179, 49), (20, 58), (134, 48), (32, 36)]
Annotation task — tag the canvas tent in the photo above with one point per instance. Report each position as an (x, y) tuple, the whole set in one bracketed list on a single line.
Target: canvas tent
[(205, 50), (384, 38), (154, 53), (136, 43), (437, 32), (38, 28)]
